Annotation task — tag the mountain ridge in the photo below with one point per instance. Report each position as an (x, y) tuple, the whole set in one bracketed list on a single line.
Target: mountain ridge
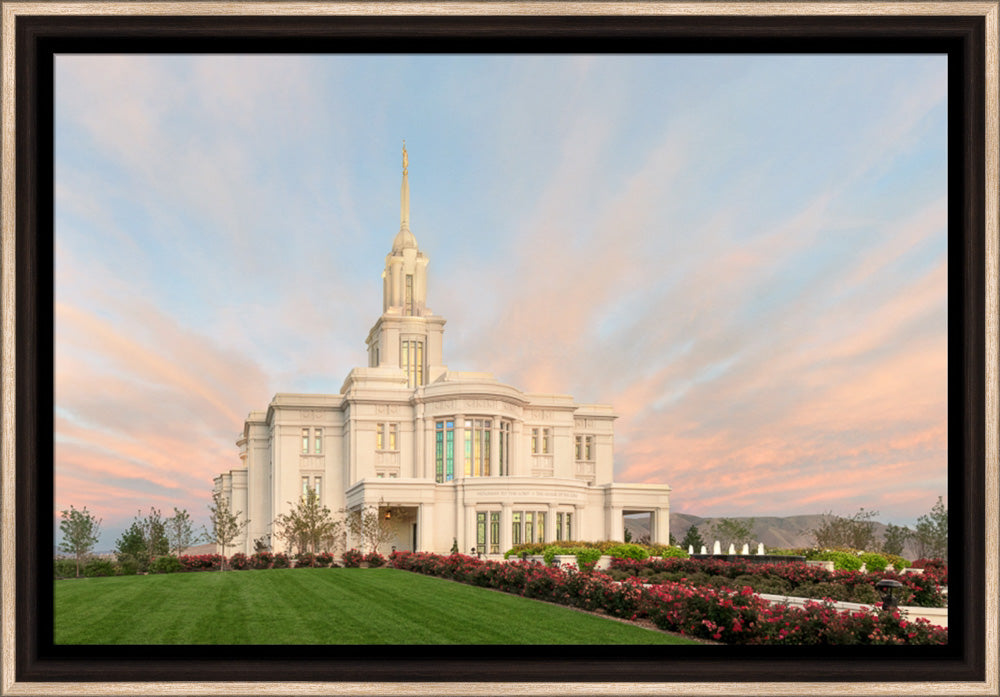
[(773, 531)]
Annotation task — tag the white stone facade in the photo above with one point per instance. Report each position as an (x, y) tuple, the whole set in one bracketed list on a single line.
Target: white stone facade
[(449, 456)]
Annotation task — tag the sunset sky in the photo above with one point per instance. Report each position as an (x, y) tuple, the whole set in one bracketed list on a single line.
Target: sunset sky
[(745, 255)]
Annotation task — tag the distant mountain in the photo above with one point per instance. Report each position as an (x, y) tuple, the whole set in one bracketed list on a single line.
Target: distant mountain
[(773, 531)]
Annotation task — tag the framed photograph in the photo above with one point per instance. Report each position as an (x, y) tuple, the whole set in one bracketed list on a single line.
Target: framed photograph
[(757, 243)]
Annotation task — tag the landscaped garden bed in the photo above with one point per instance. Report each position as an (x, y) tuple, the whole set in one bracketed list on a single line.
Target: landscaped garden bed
[(792, 579), (731, 615)]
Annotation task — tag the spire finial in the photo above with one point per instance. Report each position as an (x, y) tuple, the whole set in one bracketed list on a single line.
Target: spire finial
[(404, 197)]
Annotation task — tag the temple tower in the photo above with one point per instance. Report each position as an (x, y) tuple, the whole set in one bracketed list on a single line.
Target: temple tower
[(407, 335)]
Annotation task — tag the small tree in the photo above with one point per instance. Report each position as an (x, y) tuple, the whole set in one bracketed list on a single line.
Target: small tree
[(80, 531), (180, 534), (368, 526), (154, 534), (733, 531), (309, 526), (932, 532), (131, 547), (226, 526), (895, 539), (856, 532), (692, 538)]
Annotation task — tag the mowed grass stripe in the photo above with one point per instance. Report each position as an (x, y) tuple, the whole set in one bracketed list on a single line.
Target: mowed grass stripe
[(319, 606)]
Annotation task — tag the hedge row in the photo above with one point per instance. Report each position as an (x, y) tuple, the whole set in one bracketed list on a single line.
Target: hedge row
[(918, 590), (728, 615)]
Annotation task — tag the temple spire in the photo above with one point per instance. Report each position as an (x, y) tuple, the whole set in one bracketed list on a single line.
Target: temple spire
[(404, 195)]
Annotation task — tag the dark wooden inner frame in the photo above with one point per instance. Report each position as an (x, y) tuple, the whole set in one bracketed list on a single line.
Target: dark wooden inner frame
[(38, 38)]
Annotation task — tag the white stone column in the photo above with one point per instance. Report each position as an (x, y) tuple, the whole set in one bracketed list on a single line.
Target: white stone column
[(516, 446), (425, 527), (419, 464), (661, 522), (579, 530), (470, 530), (614, 523)]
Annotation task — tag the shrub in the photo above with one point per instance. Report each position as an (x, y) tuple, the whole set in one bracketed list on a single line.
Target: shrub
[(925, 564), (280, 561), (628, 551), (64, 568), (842, 561), (586, 559), (324, 559), (352, 558), (261, 560), (874, 562), (201, 562), (127, 566), (166, 565), (898, 562), (305, 559), (670, 552), (550, 553), (98, 567), (239, 562), (375, 559)]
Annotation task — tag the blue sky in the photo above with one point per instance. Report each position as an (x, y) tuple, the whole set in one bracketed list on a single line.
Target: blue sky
[(744, 255)]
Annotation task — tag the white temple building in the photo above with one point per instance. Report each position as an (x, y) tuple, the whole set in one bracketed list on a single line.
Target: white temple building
[(445, 456)]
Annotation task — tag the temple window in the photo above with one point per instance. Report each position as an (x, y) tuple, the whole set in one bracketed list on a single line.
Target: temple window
[(444, 451)]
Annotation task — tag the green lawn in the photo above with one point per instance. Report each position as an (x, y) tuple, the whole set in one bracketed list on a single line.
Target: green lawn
[(318, 606)]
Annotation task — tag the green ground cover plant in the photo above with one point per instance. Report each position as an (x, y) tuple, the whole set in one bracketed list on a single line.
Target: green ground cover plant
[(318, 606)]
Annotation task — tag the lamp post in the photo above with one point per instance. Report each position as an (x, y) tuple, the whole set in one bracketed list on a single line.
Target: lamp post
[(887, 586)]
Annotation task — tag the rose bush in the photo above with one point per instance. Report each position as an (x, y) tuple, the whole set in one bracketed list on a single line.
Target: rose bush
[(201, 562), (920, 590), (353, 558)]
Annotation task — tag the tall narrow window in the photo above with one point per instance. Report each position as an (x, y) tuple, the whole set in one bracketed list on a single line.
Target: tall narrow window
[(477, 447), (392, 436), (495, 532), (505, 427), (305, 487), (481, 532), (529, 527), (305, 440), (444, 451), (540, 441), (569, 526), (516, 527), (317, 487), (318, 442), (380, 436), (409, 294), (579, 447), (420, 362), (540, 526), (588, 445), (411, 360), (559, 527)]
